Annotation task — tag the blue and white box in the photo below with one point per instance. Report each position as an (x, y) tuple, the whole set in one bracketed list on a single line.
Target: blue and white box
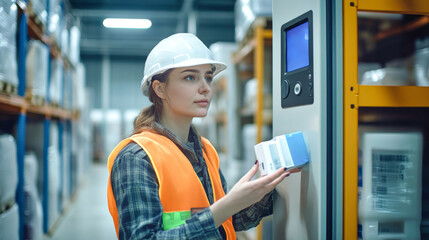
[(287, 150)]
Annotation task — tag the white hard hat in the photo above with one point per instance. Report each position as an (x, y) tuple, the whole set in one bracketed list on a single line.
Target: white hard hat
[(178, 50)]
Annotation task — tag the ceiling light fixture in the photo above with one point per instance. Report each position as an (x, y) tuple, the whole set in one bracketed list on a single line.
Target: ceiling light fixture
[(127, 23)]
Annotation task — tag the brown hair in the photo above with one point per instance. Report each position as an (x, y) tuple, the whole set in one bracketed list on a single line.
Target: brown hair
[(149, 115)]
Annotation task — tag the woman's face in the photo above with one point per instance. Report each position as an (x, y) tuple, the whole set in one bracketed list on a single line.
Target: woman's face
[(188, 91)]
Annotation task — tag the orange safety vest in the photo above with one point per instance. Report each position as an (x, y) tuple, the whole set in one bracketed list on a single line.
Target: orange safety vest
[(180, 189)]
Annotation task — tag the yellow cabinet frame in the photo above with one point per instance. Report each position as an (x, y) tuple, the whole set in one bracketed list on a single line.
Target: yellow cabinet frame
[(355, 95)]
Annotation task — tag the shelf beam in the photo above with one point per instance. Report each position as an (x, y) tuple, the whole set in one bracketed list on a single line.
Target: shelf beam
[(15, 104), (394, 6), (393, 96), (12, 104)]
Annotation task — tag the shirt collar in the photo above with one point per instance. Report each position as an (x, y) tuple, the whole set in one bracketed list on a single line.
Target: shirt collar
[(193, 136)]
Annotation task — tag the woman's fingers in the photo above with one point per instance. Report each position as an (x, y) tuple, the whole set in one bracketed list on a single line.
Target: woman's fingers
[(294, 170), (270, 177), (246, 192), (249, 175), (278, 180), (275, 175)]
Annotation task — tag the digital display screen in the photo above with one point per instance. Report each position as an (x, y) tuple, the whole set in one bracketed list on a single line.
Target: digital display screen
[(297, 47)]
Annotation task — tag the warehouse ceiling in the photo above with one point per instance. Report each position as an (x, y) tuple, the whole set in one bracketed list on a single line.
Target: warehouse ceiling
[(210, 20)]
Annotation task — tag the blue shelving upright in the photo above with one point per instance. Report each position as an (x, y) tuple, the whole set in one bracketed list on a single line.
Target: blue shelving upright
[(64, 126), (22, 119)]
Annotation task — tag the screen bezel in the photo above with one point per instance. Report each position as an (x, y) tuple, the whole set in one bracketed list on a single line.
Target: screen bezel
[(306, 17), (297, 86)]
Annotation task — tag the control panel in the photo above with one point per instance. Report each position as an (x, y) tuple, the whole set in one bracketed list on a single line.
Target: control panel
[(297, 61)]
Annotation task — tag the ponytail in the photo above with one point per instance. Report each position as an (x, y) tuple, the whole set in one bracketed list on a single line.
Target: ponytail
[(149, 115), (145, 119)]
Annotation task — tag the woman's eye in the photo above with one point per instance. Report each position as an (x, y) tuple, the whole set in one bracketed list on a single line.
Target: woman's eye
[(209, 79), (190, 78)]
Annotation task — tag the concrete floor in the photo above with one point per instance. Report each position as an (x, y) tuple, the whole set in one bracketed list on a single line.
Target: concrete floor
[(87, 217)]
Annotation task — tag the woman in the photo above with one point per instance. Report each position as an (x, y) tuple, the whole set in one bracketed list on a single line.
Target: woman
[(165, 181)]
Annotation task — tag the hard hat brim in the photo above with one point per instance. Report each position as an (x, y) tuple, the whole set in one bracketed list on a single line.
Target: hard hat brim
[(146, 80)]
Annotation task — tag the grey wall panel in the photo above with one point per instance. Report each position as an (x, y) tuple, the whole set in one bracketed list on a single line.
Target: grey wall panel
[(302, 213), (126, 74), (93, 79), (125, 77)]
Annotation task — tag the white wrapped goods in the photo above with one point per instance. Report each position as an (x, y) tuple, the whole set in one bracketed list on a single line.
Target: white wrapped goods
[(37, 68), (32, 207), (391, 186), (9, 224), (8, 170), (8, 26)]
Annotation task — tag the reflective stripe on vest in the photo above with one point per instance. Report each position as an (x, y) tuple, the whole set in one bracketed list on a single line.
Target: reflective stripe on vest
[(173, 219), (180, 189)]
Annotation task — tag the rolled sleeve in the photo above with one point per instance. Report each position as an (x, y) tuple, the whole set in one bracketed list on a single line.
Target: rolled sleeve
[(251, 216)]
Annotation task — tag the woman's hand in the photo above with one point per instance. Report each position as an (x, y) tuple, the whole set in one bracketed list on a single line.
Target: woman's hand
[(246, 192)]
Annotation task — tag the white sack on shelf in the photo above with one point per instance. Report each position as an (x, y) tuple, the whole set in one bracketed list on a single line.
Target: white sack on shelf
[(8, 169), (78, 91), (33, 215), (31, 169), (65, 42), (421, 66), (8, 26), (32, 204), (9, 224), (387, 77), (56, 19), (56, 78), (34, 143), (66, 167), (54, 135), (75, 45), (250, 89), (37, 68), (54, 183), (365, 67)]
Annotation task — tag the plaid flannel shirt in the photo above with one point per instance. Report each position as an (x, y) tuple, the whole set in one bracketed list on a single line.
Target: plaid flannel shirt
[(135, 188)]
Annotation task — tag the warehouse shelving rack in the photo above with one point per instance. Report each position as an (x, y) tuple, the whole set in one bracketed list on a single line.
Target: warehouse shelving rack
[(252, 52), (19, 106), (359, 100), (220, 117)]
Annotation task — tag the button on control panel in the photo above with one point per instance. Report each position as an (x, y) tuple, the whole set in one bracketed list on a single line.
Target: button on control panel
[(285, 89), (297, 88)]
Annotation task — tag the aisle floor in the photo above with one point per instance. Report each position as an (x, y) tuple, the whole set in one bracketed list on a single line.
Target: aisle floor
[(87, 217)]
